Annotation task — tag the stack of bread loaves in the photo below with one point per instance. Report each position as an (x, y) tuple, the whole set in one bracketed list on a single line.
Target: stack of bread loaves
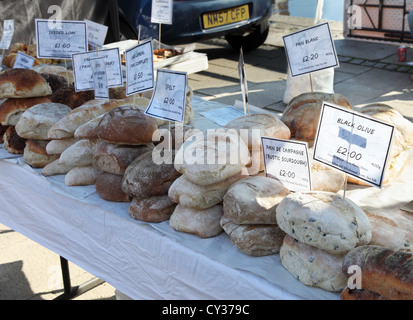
[(321, 228), (21, 89), (76, 150), (250, 215), (210, 163), (124, 133)]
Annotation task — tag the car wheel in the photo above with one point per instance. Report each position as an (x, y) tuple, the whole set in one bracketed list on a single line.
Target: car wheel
[(248, 42)]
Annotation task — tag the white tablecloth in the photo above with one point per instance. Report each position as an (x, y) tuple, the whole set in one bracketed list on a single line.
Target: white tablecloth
[(152, 261)]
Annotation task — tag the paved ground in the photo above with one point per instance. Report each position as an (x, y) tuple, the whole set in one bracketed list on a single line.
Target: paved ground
[(368, 73)]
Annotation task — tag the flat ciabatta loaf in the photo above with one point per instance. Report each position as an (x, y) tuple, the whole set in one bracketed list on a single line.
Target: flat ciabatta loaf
[(303, 112), (23, 83), (66, 127), (12, 109), (115, 158), (324, 220), (313, 267), (153, 209), (199, 197), (127, 125), (203, 223), (254, 240), (210, 157), (254, 200), (36, 122), (386, 272)]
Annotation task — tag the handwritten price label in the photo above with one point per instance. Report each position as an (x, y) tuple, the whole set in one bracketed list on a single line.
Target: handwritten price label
[(310, 50), (287, 161), (23, 61), (63, 42), (100, 78), (169, 97), (8, 31), (162, 11), (353, 143)]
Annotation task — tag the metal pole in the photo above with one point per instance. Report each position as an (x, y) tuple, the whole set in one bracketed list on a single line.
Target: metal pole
[(114, 19)]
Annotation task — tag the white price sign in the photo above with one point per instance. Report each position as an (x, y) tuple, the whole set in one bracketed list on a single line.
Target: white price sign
[(82, 68), (139, 68), (162, 11), (23, 61), (96, 34), (60, 42), (288, 162), (169, 97), (353, 143), (8, 31), (100, 79), (310, 50)]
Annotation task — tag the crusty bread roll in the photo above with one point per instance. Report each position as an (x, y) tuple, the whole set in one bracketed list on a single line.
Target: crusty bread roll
[(153, 209), (23, 83), (203, 223), (55, 168), (254, 200), (58, 146), (127, 125), (79, 154), (199, 197), (35, 154), (109, 187), (303, 112), (82, 176), (207, 158), (36, 122), (324, 220), (12, 109), (68, 96), (66, 127), (145, 178), (383, 271), (312, 266), (12, 142), (255, 240), (114, 158)]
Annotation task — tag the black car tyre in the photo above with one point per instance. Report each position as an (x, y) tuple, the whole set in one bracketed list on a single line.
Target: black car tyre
[(248, 42)]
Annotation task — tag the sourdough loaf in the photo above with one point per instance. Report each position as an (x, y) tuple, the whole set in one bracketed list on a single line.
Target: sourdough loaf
[(109, 187), (153, 209), (67, 95), (35, 154), (12, 109), (12, 142), (23, 83)]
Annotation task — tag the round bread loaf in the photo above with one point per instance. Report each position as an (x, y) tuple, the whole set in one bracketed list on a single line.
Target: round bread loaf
[(153, 209), (55, 81), (114, 158), (67, 95), (199, 197), (313, 267), (254, 200), (89, 130), (35, 154), (203, 223), (109, 187), (145, 178), (207, 158), (23, 83), (255, 240), (12, 142), (36, 122), (127, 125), (12, 109), (303, 112), (324, 220)]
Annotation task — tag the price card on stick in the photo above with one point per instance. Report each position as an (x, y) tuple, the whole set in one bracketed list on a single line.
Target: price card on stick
[(139, 68), (96, 34), (169, 97), (288, 162), (8, 31), (353, 143), (310, 50), (99, 77), (60, 43), (82, 68), (162, 11), (23, 61)]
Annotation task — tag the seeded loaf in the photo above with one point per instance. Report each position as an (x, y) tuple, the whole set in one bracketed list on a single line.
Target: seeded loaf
[(312, 266), (386, 272), (23, 83), (324, 220), (255, 240)]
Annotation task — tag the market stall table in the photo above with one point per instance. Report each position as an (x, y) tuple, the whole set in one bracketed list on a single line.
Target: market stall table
[(151, 260)]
